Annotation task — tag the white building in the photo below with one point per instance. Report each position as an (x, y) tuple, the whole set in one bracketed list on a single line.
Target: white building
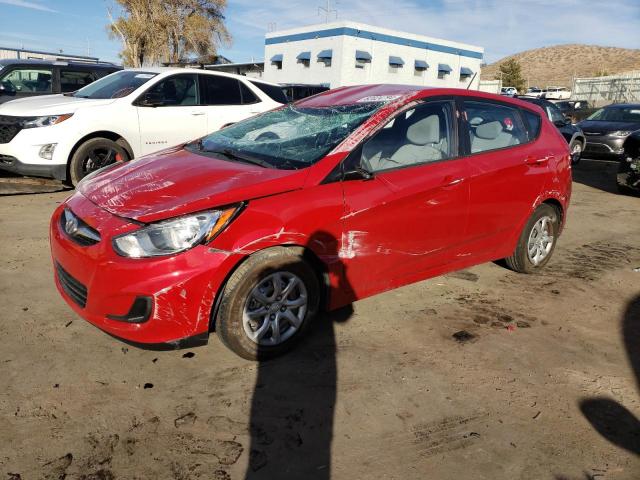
[(348, 53)]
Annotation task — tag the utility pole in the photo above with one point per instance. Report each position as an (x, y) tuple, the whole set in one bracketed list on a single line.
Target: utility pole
[(327, 11)]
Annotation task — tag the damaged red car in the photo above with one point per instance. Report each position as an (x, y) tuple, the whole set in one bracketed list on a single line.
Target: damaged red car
[(252, 230)]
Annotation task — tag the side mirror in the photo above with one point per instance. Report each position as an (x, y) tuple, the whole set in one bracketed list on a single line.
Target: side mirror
[(357, 173), (151, 99), (7, 89)]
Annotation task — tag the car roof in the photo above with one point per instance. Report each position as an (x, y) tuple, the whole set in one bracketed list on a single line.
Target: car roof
[(387, 92), (32, 61), (623, 105), (170, 70)]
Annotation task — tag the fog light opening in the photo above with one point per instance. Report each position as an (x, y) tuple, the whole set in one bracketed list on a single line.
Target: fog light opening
[(46, 151)]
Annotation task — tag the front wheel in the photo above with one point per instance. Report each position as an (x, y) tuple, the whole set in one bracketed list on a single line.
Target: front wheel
[(537, 241), (93, 154), (268, 303), (576, 151)]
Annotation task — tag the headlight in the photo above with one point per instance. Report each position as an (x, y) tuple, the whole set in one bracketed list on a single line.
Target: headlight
[(175, 235), (619, 133), (47, 121)]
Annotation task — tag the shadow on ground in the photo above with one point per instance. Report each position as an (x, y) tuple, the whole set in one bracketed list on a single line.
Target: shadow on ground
[(608, 417), (600, 174)]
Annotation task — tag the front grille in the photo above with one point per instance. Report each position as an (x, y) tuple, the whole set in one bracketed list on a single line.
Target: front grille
[(9, 127), (593, 133), (77, 230), (597, 148), (72, 287)]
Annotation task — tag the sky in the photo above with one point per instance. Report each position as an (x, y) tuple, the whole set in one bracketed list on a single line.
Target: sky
[(502, 27)]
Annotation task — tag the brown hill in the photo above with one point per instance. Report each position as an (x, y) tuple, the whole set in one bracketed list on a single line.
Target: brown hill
[(558, 65)]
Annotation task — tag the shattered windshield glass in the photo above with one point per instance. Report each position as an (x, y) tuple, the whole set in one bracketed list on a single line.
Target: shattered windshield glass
[(288, 138)]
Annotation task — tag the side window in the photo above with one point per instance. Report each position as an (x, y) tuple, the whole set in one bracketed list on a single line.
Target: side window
[(29, 80), (533, 124), (421, 135), (219, 90), (274, 92), (71, 80), (555, 115), (178, 90), (247, 95), (492, 126)]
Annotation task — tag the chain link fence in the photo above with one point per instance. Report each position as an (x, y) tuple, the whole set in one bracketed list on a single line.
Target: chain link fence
[(600, 91)]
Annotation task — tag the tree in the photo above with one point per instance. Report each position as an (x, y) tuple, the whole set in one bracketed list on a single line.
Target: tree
[(511, 74), (155, 31)]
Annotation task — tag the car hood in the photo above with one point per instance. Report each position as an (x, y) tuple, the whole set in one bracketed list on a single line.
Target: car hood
[(599, 126), (49, 105), (177, 182)]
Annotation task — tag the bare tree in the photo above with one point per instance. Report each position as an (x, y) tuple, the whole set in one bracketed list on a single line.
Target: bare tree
[(154, 31)]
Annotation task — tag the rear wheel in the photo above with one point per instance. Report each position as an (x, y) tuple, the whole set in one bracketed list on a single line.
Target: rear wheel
[(94, 154), (537, 241), (268, 303)]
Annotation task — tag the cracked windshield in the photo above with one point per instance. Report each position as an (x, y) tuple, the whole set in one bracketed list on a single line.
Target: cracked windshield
[(289, 138)]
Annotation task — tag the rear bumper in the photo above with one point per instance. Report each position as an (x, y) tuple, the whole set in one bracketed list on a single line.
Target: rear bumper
[(181, 288)]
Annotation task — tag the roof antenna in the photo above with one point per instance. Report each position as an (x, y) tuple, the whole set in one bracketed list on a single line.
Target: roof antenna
[(472, 79)]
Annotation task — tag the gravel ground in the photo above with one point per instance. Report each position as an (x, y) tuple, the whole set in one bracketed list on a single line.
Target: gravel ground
[(543, 385)]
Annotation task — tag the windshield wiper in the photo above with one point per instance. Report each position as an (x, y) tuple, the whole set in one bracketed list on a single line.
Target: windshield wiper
[(233, 155)]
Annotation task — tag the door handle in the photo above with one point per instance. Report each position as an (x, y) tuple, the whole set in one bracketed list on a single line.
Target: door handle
[(449, 181), (195, 114), (532, 159)]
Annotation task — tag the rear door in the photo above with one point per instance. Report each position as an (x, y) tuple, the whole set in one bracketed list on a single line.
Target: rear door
[(227, 100), (180, 117), (72, 79), (507, 171), (410, 217)]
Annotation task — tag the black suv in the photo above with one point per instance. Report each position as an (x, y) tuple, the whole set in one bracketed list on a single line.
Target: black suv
[(571, 133), (26, 78)]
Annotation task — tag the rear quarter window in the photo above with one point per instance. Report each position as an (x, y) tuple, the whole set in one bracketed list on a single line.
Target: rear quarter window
[(532, 123), (274, 92)]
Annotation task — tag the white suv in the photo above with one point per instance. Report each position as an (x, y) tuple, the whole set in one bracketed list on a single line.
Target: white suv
[(557, 93), (124, 115)]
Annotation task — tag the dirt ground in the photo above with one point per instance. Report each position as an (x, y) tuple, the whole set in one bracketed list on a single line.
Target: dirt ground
[(545, 386)]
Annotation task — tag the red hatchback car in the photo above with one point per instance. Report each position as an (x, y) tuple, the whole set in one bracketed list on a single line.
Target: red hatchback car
[(253, 229)]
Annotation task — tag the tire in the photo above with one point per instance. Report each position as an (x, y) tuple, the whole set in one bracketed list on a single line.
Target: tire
[(261, 271), (93, 154), (576, 148), (521, 261)]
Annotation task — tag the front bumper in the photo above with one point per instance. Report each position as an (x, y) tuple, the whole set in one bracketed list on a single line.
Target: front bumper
[(181, 288), (602, 146), (20, 153), (12, 164)]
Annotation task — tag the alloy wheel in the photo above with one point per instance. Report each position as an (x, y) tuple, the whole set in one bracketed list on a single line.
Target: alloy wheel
[(540, 240), (275, 308)]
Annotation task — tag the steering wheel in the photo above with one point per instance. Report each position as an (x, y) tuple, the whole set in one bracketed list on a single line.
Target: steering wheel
[(267, 136)]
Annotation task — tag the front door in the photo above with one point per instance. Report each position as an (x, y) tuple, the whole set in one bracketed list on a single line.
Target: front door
[(25, 81), (177, 117), (410, 217)]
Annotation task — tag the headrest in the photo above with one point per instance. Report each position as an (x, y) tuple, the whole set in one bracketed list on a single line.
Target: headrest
[(425, 131), (489, 131)]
